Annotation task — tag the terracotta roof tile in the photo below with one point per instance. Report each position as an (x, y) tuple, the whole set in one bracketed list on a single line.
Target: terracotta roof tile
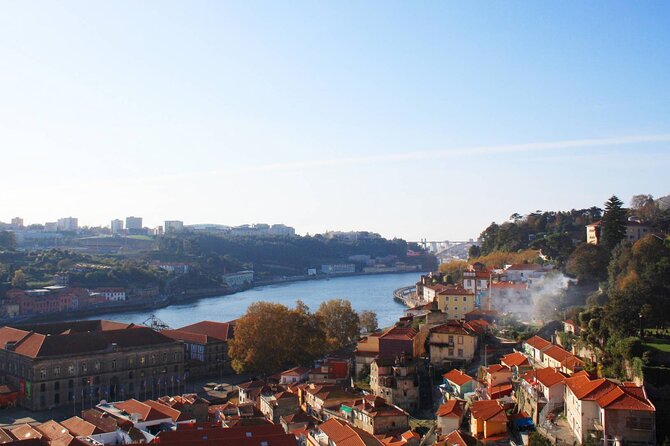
[(626, 398), (515, 359), (79, 427), (538, 343), (222, 331), (52, 430), (451, 409), (488, 410), (458, 377)]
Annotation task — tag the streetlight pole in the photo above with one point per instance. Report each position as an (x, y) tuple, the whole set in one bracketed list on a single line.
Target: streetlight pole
[(641, 329)]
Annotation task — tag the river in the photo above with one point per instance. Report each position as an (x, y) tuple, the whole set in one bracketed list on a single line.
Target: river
[(372, 292)]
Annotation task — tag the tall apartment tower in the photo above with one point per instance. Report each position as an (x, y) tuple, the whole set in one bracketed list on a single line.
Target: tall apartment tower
[(117, 226), (133, 223), (68, 224)]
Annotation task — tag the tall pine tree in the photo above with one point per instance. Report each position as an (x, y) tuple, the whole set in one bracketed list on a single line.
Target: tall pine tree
[(613, 228)]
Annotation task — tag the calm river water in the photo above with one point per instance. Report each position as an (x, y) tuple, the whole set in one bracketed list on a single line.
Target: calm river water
[(373, 292)]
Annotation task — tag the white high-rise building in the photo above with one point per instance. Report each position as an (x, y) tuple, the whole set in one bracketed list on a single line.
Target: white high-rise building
[(68, 224), (117, 226)]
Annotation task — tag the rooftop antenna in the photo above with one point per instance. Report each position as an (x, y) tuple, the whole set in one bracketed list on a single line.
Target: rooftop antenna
[(155, 323)]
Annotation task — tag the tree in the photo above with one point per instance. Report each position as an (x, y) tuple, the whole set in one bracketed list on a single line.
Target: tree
[(613, 229), (368, 320), (270, 337), (474, 252), (19, 279), (588, 263), (7, 240), (340, 322), (453, 269)]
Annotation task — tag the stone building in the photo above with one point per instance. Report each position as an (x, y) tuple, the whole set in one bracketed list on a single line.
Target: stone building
[(205, 347), (84, 362), (396, 380)]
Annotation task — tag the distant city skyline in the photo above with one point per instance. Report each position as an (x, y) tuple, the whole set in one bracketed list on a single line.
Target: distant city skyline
[(413, 120)]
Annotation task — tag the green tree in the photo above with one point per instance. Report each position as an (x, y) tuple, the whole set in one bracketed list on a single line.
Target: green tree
[(340, 322), (588, 262), (474, 251), (613, 229), (7, 240), (19, 279)]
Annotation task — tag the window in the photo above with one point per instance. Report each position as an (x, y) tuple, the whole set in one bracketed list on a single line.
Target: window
[(451, 352), (43, 373), (131, 361), (83, 367), (460, 352), (70, 383), (113, 364), (142, 360), (164, 357), (153, 359), (57, 385), (56, 371), (70, 369), (465, 299), (451, 339), (97, 365), (43, 387), (460, 339)]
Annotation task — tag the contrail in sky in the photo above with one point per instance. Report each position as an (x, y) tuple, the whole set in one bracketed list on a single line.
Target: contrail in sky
[(447, 153), (418, 155)]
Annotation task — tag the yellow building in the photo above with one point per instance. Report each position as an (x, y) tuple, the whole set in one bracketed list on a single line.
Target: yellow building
[(487, 419), (451, 342), (455, 301)]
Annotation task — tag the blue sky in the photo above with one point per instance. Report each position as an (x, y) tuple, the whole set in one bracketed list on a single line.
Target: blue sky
[(412, 119)]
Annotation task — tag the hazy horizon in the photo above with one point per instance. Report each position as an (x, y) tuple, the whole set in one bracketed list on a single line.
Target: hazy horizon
[(413, 120)]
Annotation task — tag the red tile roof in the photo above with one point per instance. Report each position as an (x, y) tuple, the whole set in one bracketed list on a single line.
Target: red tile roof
[(586, 389), (515, 359), (488, 410), (342, 434), (36, 345), (538, 343), (458, 377), (222, 331), (52, 430), (24, 432), (167, 411), (450, 409), (457, 438), (626, 398), (547, 376), (399, 333), (79, 427), (498, 368)]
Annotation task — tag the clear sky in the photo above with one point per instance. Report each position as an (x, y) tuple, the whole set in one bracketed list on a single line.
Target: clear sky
[(412, 119)]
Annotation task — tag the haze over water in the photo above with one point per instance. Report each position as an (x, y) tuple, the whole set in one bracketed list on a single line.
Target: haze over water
[(365, 293)]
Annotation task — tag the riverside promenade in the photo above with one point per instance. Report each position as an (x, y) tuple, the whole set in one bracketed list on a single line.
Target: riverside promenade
[(407, 296)]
